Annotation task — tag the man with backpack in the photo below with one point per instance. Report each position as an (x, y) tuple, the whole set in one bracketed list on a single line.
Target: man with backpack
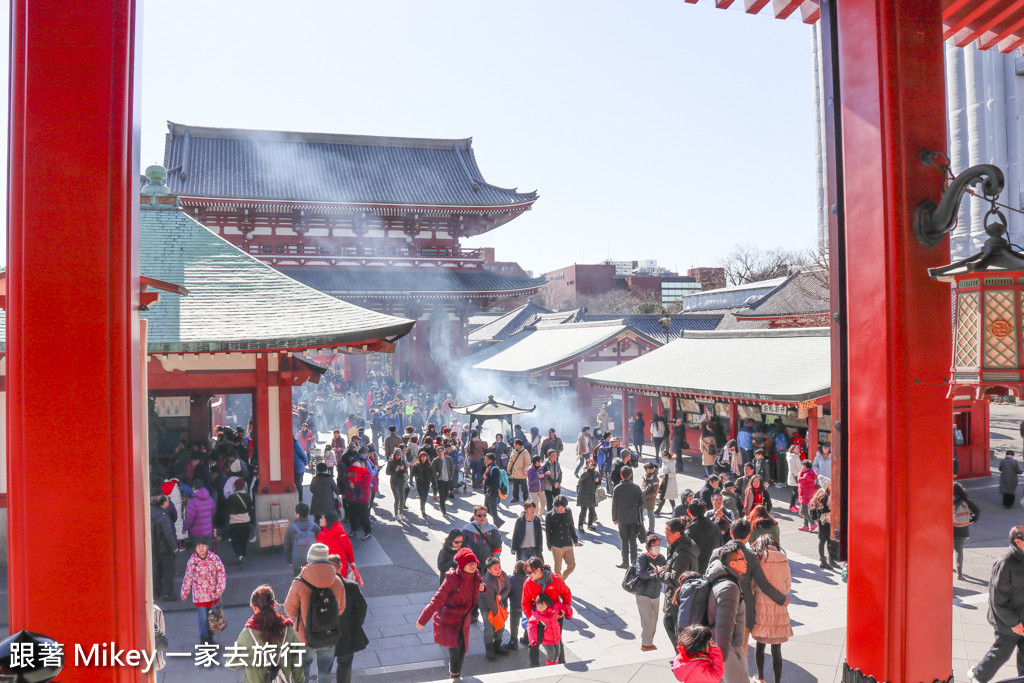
[(726, 610), (299, 537), (315, 602), (493, 487)]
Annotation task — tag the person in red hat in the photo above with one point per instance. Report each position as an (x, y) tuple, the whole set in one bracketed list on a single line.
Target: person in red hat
[(451, 607)]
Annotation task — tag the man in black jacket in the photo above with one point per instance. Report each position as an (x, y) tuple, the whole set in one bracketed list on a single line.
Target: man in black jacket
[(353, 639), (165, 542), (704, 533), (1005, 611), (561, 535), (682, 558), (627, 501)]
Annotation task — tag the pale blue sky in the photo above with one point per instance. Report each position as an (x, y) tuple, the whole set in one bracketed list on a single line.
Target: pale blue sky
[(656, 129)]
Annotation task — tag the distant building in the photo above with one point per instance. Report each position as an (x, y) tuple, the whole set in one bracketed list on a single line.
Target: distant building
[(643, 278)]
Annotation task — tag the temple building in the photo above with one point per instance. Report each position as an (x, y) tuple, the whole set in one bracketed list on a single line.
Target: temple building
[(218, 321), (375, 221)]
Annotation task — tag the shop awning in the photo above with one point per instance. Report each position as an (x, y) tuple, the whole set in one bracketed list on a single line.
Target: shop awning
[(787, 365), (993, 23)]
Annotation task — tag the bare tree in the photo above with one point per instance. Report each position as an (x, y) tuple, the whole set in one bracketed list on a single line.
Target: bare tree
[(749, 263)]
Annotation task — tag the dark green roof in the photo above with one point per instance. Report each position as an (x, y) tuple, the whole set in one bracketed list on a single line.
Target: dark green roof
[(235, 302)]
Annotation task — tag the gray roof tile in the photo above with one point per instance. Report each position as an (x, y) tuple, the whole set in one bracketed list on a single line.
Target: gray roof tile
[(317, 167), (237, 303), (376, 282)]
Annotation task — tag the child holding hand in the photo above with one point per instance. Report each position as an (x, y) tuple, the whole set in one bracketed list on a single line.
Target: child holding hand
[(543, 628)]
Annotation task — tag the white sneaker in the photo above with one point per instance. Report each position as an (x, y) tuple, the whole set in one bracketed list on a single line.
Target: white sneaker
[(971, 677)]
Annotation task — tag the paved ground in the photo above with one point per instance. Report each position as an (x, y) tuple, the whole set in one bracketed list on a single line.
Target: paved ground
[(398, 565)]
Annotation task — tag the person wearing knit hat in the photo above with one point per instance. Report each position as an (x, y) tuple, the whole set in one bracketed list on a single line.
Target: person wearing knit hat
[(318, 573), (464, 557), (451, 607), (318, 552)]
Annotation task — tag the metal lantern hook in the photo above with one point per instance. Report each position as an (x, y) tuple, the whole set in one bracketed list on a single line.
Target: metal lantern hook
[(932, 221)]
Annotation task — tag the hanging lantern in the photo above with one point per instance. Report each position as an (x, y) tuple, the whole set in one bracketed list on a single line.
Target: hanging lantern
[(988, 293)]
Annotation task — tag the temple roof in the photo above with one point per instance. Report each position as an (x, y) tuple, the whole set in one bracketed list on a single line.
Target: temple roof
[(237, 303), (352, 282), (771, 365), (233, 163), (724, 298), (505, 326), (804, 293), (534, 350)]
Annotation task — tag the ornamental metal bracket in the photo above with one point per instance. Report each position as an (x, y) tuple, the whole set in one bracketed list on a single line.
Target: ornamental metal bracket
[(932, 221)]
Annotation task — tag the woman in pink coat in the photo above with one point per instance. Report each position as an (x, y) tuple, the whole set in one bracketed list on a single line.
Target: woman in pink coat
[(205, 579), (771, 621), (806, 483), (699, 659)]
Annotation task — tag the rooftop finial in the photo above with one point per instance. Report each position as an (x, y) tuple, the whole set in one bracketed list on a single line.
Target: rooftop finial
[(156, 189)]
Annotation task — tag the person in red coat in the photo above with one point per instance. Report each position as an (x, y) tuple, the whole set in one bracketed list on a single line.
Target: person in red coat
[(333, 535), (539, 579), (451, 606)]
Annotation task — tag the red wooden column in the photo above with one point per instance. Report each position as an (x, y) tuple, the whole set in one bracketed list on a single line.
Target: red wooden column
[(899, 624), (73, 275)]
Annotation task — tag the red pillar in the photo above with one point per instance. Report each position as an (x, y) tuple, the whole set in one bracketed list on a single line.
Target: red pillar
[(73, 275), (734, 419), (899, 624)]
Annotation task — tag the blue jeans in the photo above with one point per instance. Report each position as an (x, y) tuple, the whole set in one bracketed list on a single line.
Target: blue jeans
[(204, 624), (324, 657), (477, 468)]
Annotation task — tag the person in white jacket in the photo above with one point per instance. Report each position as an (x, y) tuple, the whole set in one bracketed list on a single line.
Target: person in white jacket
[(793, 463)]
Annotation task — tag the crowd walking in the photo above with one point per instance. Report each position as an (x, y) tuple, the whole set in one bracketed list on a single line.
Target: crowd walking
[(712, 574)]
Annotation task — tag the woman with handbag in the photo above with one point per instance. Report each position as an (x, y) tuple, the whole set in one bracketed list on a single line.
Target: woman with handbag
[(965, 513), (647, 589), (267, 627), (206, 579), (451, 607)]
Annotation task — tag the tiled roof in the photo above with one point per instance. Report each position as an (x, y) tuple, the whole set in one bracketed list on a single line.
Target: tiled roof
[(649, 325), (735, 296), (504, 327), (801, 294), (233, 163), (779, 365), (538, 349), (237, 303), (386, 282)]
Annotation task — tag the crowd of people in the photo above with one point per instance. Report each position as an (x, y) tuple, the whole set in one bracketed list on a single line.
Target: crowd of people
[(724, 577)]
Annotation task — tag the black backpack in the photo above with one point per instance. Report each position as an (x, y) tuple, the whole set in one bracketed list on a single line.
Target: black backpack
[(323, 623), (692, 597)]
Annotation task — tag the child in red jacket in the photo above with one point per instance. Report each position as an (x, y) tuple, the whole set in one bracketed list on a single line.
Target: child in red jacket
[(546, 613), (699, 659)]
